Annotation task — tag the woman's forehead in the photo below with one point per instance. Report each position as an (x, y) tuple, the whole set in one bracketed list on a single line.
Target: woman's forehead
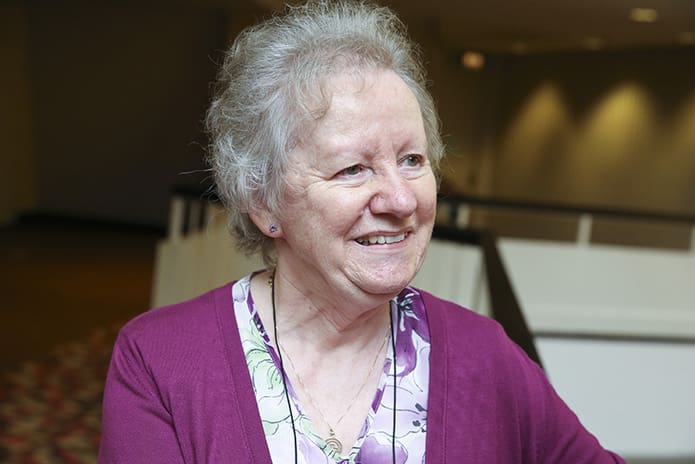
[(351, 99), (367, 114)]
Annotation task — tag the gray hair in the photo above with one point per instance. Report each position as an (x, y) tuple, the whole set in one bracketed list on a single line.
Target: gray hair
[(270, 85)]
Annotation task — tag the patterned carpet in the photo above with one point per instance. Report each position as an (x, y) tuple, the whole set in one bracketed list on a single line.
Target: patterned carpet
[(50, 411)]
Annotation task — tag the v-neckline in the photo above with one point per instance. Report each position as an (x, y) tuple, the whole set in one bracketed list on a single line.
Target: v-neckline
[(255, 448), (299, 412)]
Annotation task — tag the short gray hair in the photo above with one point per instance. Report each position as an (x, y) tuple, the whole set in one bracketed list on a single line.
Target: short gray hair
[(266, 94)]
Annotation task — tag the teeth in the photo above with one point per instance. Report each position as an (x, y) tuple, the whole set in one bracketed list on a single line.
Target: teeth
[(395, 238), (381, 239)]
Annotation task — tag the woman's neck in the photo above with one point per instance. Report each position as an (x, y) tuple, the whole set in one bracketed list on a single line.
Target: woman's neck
[(327, 324)]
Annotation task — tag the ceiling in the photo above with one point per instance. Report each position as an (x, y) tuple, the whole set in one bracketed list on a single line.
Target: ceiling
[(527, 26)]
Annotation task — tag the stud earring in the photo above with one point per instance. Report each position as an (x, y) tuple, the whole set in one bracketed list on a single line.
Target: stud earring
[(273, 228)]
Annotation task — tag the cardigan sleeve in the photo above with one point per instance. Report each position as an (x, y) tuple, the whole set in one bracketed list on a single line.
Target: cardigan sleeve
[(558, 435), (136, 426), (490, 403), (178, 389)]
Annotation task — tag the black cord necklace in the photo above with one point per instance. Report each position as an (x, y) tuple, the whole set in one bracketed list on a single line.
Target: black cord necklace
[(395, 385), (282, 366), (284, 381)]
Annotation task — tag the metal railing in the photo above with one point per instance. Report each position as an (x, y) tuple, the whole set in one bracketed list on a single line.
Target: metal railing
[(459, 210)]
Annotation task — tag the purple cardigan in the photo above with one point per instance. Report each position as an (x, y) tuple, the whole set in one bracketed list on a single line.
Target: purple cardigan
[(179, 391)]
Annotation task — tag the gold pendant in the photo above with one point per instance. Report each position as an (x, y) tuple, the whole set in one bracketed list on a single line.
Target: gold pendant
[(333, 442)]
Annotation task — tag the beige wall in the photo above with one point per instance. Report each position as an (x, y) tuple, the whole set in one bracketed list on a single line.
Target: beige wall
[(18, 182), (608, 129)]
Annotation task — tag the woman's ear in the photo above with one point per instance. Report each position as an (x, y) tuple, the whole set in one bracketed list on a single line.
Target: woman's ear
[(266, 222)]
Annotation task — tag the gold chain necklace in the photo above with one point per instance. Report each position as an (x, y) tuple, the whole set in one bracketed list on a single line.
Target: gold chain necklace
[(332, 440)]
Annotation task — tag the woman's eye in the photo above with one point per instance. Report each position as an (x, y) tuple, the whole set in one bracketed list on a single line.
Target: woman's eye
[(412, 160), (352, 170)]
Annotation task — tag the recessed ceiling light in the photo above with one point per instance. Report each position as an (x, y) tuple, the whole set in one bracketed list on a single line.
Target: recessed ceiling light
[(472, 60), (644, 15)]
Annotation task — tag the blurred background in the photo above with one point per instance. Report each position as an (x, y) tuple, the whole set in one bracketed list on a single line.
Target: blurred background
[(587, 106)]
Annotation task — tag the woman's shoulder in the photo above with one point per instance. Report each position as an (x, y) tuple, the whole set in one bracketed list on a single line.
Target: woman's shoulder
[(181, 321), (197, 308), (168, 344), (463, 333)]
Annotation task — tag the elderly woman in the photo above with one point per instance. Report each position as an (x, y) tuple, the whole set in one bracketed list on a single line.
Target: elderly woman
[(325, 149)]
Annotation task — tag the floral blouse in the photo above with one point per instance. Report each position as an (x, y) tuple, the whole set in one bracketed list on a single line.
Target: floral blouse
[(373, 445)]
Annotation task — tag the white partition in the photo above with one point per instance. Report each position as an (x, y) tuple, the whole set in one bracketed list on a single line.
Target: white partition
[(636, 397), (200, 261), (598, 289)]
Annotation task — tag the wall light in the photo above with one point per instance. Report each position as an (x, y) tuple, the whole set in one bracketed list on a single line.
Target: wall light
[(472, 60), (644, 15)]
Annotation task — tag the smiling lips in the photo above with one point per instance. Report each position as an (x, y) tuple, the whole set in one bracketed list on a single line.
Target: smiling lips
[(381, 239)]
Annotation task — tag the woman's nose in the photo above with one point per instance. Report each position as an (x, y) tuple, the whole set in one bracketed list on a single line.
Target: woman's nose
[(394, 195)]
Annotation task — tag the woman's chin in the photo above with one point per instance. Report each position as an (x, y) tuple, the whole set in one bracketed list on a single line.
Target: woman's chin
[(386, 286)]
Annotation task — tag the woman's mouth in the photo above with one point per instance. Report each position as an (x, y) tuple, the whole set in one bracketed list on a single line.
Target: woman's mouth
[(381, 239)]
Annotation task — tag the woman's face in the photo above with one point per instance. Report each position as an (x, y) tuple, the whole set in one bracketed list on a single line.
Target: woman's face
[(360, 194)]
